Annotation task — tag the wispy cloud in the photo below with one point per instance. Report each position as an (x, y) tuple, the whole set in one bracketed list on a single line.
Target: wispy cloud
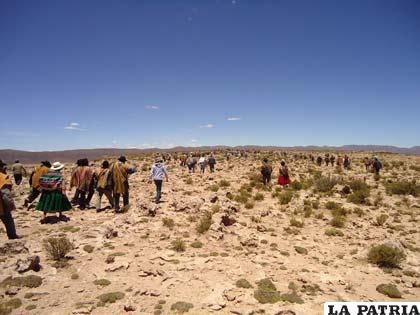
[(207, 126), (234, 118), (151, 107), (74, 126)]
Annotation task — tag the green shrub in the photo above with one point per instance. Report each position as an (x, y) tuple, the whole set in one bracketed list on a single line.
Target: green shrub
[(359, 197), (331, 205), (333, 232), (102, 282), (403, 188), (266, 292), (249, 205), (214, 187), (181, 307), (357, 185), (205, 223), (385, 255), (381, 219), (111, 297), (224, 183), (196, 244), (325, 184), (168, 222), (296, 223), (88, 248), (338, 221), (389, 290), (243, 283), (30, 281), (296, 185), (259, 197), (178, 245), (285, 197)]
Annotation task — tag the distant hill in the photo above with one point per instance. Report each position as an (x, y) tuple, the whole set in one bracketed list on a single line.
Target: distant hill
[(9, 156)]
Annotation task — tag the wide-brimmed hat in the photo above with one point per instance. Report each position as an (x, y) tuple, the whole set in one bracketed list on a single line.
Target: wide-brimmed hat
[(2, 164), (57, 166), (46, 163), (122, 159)]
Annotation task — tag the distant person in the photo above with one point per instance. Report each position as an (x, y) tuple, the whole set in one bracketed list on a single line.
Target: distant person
[(212, 162), (120, 172), (7, 204), (82, 180), (191, 164), (284, 178), (18, 172), (339, 161), (332, 160), (346, 162), (73, 183), (104, 186), (202, 164), (368, 163), (34, 182), (266, 170), (53, 198), (377, 165), (157, 174), (327, 159), (319, 161)]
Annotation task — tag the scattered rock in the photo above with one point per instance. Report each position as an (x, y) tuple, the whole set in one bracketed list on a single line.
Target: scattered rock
[(30, 263)]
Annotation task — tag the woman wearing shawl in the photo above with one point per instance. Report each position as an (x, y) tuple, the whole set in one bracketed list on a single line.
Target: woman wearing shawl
[(82, 179), (284, 178), (53, 198)]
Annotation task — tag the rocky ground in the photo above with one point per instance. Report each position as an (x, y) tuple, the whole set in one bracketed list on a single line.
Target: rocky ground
[(222, 243)]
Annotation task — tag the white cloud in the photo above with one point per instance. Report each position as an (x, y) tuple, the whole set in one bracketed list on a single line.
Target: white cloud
[(234, 118), (74, 126), (151, 107), (194, 140), (207, 126)]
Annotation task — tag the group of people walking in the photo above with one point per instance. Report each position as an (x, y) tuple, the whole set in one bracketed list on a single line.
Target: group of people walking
[(111, 181)]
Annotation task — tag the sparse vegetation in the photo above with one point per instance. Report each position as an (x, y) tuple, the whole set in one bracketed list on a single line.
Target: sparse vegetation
[(389, 290), (181, 307), (403, 188), (243, 283), (385, 255), (178, 245), (168, 222), (58, 247), (204, 223)]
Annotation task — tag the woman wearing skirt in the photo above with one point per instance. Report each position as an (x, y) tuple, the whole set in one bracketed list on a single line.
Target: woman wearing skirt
[(284, 178), (53, 198)]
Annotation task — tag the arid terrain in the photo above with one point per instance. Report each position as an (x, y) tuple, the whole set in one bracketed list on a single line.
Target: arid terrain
[(224, 243)]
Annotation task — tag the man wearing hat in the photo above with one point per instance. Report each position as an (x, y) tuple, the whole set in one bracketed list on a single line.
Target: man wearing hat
[(157, 174), (6, 203), (119, 174), (103, 186), (34, 181)]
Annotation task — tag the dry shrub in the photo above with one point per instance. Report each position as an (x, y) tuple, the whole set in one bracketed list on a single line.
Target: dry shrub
[(58, 247)]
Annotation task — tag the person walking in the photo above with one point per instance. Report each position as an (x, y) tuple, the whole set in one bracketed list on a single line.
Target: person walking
[(119, 174), (191, 163), (104, 186), (346, 162), (377, 165), (53, 197), (157, 174), (7, 204), (34, 182), (284, 178), (18, 172), (202, 163), (82, 180), (212, 162), (266, 170)]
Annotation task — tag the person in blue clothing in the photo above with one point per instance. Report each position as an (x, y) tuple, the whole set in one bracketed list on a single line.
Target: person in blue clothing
[(158, 173)]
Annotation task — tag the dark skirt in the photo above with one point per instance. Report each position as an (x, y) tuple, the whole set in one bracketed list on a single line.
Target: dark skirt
[(53, 201)]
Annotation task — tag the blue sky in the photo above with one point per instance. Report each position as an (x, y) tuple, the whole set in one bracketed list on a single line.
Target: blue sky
[(87, 74)]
